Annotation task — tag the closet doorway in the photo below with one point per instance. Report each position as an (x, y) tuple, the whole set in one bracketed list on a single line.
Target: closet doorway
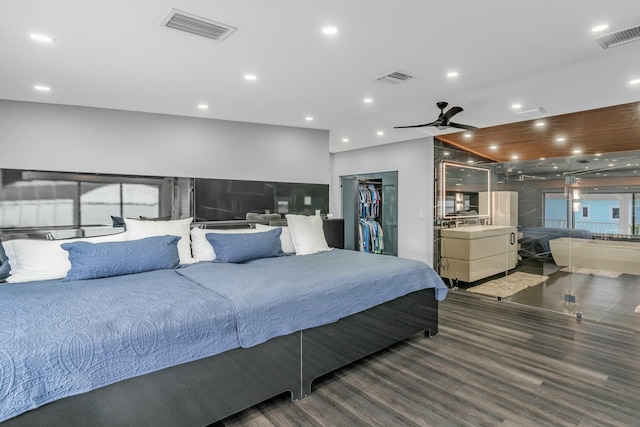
[(370, 211)]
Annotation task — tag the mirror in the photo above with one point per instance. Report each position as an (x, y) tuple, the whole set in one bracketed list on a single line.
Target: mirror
[(464, 191)]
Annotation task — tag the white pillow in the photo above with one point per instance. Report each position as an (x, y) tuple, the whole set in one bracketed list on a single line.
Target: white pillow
[(202, 249), (307, 234), (139, 229), (285, 237), (32, 260)]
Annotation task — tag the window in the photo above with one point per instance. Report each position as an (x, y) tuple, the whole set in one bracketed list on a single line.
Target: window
[(614, 213), (32, 199), (585, 212)]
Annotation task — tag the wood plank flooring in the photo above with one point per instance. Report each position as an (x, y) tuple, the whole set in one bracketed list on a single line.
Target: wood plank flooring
[(493, 363)]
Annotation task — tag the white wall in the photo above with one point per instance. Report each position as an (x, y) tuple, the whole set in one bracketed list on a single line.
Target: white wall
[(79, 139), (414, 162)]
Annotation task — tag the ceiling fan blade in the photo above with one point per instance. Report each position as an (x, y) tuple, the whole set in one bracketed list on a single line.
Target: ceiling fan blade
[(414, 126), (460, 126), (452, 112)]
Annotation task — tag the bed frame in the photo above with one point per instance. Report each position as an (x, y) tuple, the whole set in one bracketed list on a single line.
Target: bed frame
[(204, 391)]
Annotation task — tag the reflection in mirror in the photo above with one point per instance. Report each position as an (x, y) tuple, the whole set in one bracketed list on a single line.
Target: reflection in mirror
[(464, 191)]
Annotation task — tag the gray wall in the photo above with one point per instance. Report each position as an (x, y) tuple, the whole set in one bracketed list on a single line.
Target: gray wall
[(414, 162), (79, 139)]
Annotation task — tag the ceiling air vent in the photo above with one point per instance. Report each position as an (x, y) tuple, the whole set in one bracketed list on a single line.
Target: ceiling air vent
[(619, 37), (393, 77), (197, 25), (531, 114)]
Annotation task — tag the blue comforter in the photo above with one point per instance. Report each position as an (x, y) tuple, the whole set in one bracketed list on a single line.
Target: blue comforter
[(59, 338), (278, 296)]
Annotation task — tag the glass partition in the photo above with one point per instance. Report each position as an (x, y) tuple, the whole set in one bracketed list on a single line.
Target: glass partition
[(577, 227)]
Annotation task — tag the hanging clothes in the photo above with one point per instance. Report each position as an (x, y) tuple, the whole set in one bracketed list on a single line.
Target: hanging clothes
[(370, 236)]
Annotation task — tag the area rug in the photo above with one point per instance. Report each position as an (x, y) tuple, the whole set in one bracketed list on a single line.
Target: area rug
[(601, 273), (508, 285)]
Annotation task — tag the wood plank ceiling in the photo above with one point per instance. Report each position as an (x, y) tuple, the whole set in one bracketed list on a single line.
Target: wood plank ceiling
[(603, 130)]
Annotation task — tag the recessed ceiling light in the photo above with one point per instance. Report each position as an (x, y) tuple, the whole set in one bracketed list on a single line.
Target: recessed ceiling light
[(42, 88), (330, 31), (345, 140), (599, 28), (43, 38), (309, 118), (470, 161), (577, 151), (598, 154), (635, 82), (379, 133), (542, 158), (493, 147), (367, 100), (514, 157), (446, 153), (203, 106), (610, 165), (467, 135), (555, 167), (516, 106), (540, 123), (250, 77), (561, 139), (452, 74)]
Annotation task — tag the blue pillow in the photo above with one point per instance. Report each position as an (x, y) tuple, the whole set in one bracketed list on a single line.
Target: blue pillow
[(94, 260), (236, 247), (5, 268)]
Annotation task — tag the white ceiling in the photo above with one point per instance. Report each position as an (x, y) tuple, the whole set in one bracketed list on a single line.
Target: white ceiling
[(114, 54)]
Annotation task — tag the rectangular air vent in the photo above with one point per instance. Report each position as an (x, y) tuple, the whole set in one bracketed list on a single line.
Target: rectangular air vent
[(393, 77), (531, 114), (197, 25), (619, 37)]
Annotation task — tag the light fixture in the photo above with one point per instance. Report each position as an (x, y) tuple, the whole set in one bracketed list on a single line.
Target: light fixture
[(452, 74), (330, 31), (203, 106), (379, 133), (515, 157), (446, 153), (577, 151), (367, 100), (599, 28), (542, 158), (467, 135), (516, 106), (493, 147), (345, 140), (540, 124), (42, 88), (561, 139), (309, 118), (250, 77), (634, 82), (42, 38)]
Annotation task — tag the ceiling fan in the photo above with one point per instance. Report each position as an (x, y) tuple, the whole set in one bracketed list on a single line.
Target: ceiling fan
[(444, 119)]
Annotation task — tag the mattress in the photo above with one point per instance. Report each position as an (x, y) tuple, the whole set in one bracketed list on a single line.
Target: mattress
[(278, 296), (58, 339)]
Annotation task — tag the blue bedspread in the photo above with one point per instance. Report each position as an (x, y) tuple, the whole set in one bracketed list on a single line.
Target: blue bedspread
[(59, 339), (278, 296)]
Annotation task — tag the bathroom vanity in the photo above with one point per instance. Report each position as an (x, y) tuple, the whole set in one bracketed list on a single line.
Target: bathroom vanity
[(470, 253)]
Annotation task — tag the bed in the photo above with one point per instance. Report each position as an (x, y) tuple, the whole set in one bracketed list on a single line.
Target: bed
[(192, 345)]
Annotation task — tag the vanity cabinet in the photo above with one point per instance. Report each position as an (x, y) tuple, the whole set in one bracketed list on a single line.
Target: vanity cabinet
[(475, 252)]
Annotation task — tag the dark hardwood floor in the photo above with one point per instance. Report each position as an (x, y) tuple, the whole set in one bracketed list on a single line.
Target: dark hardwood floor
[(610, 300), (493, 363)]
